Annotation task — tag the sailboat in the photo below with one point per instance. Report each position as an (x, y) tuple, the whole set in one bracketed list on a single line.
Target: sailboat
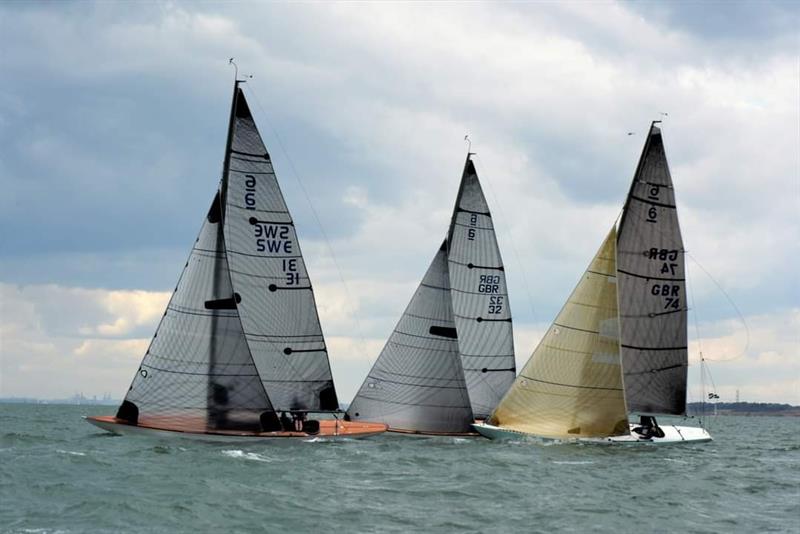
[(619, 344), (450, 358), (239, 351)]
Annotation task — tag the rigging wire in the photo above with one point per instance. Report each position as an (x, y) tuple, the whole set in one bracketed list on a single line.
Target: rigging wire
[(318, 221), (733, 305), (507, 232)]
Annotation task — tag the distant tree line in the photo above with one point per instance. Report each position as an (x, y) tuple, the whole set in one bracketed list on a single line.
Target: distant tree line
[(749, 407)]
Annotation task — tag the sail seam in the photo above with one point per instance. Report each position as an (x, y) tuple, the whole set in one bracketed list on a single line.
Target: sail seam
[(416, 403), (576, 328), (195, 374), (411, 376), (568, 385), (434, 338), (240, 153), (416, 385), (648, 371), (653, 202), (421, 348), (473, 211), (651, 277), (218, 313), (653, 348)]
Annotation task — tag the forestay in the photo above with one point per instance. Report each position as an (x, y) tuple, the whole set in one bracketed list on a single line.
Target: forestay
[(480, 297), (652, 289), (198, 371), (274, 294), (572, 384), (417, 383)]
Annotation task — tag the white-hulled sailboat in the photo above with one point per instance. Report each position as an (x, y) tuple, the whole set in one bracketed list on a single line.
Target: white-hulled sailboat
[(450, 358), (239, 352), (619, 344)]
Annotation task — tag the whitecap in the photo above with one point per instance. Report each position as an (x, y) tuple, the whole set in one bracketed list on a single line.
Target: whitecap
[(234, 453), (573, 462), (72, 453)]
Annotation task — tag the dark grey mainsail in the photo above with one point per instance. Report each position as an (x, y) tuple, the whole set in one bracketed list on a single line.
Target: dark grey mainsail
[(276, 301), (198, 370), (241, 337), (417, 383), (652, 289), (480, 297)]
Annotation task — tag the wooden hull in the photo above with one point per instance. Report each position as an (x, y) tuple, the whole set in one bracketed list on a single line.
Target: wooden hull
[(672, 435), (328, 429)]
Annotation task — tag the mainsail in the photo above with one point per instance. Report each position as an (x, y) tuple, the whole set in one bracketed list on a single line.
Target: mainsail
[(480, 297), (240, 337), (652, 289), (276, 306), (417, 383), (572, 384)]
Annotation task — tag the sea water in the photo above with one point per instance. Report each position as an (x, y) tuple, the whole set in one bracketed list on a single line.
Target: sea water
[(59, 474)]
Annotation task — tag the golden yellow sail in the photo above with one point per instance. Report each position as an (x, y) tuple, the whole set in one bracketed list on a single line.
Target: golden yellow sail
[(572, 385)]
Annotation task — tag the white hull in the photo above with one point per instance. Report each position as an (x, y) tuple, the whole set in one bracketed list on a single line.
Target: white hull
[(133, 430), (672, 434)]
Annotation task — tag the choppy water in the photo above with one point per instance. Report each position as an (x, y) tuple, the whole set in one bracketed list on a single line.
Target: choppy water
[(59, 474)]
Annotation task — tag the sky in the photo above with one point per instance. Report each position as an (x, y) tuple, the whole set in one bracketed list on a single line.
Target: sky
[(113, 119)]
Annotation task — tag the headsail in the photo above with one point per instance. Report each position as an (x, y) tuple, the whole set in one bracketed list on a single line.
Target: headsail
[(480, 297), (198, 372), (275, 298), (417, 383), (572, 384), (652, 289)]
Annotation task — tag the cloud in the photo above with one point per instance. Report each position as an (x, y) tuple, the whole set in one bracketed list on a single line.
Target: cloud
[(57, 341), (112, 127)]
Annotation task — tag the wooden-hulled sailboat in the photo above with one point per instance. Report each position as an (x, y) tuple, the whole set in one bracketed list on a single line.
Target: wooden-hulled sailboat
[(239, 351), (450, 358), (619, 344)]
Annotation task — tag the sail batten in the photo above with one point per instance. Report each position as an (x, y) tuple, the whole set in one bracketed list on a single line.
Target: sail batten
[(652, 289)]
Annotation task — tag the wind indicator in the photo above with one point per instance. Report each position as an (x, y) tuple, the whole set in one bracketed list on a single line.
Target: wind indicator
[(469, 144), (236, 71)]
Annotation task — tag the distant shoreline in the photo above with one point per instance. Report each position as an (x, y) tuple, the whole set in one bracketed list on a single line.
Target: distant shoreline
[(743, 408)]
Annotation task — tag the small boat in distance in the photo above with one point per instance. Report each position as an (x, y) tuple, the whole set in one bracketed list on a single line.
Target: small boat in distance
[(450, 358), (239, 352), (619, 344)]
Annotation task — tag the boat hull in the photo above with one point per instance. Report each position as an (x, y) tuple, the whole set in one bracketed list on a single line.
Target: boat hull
[(328, 429), (420, 434), (672, 435)]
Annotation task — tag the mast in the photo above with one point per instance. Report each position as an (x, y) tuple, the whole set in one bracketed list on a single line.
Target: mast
[(216, 394)]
